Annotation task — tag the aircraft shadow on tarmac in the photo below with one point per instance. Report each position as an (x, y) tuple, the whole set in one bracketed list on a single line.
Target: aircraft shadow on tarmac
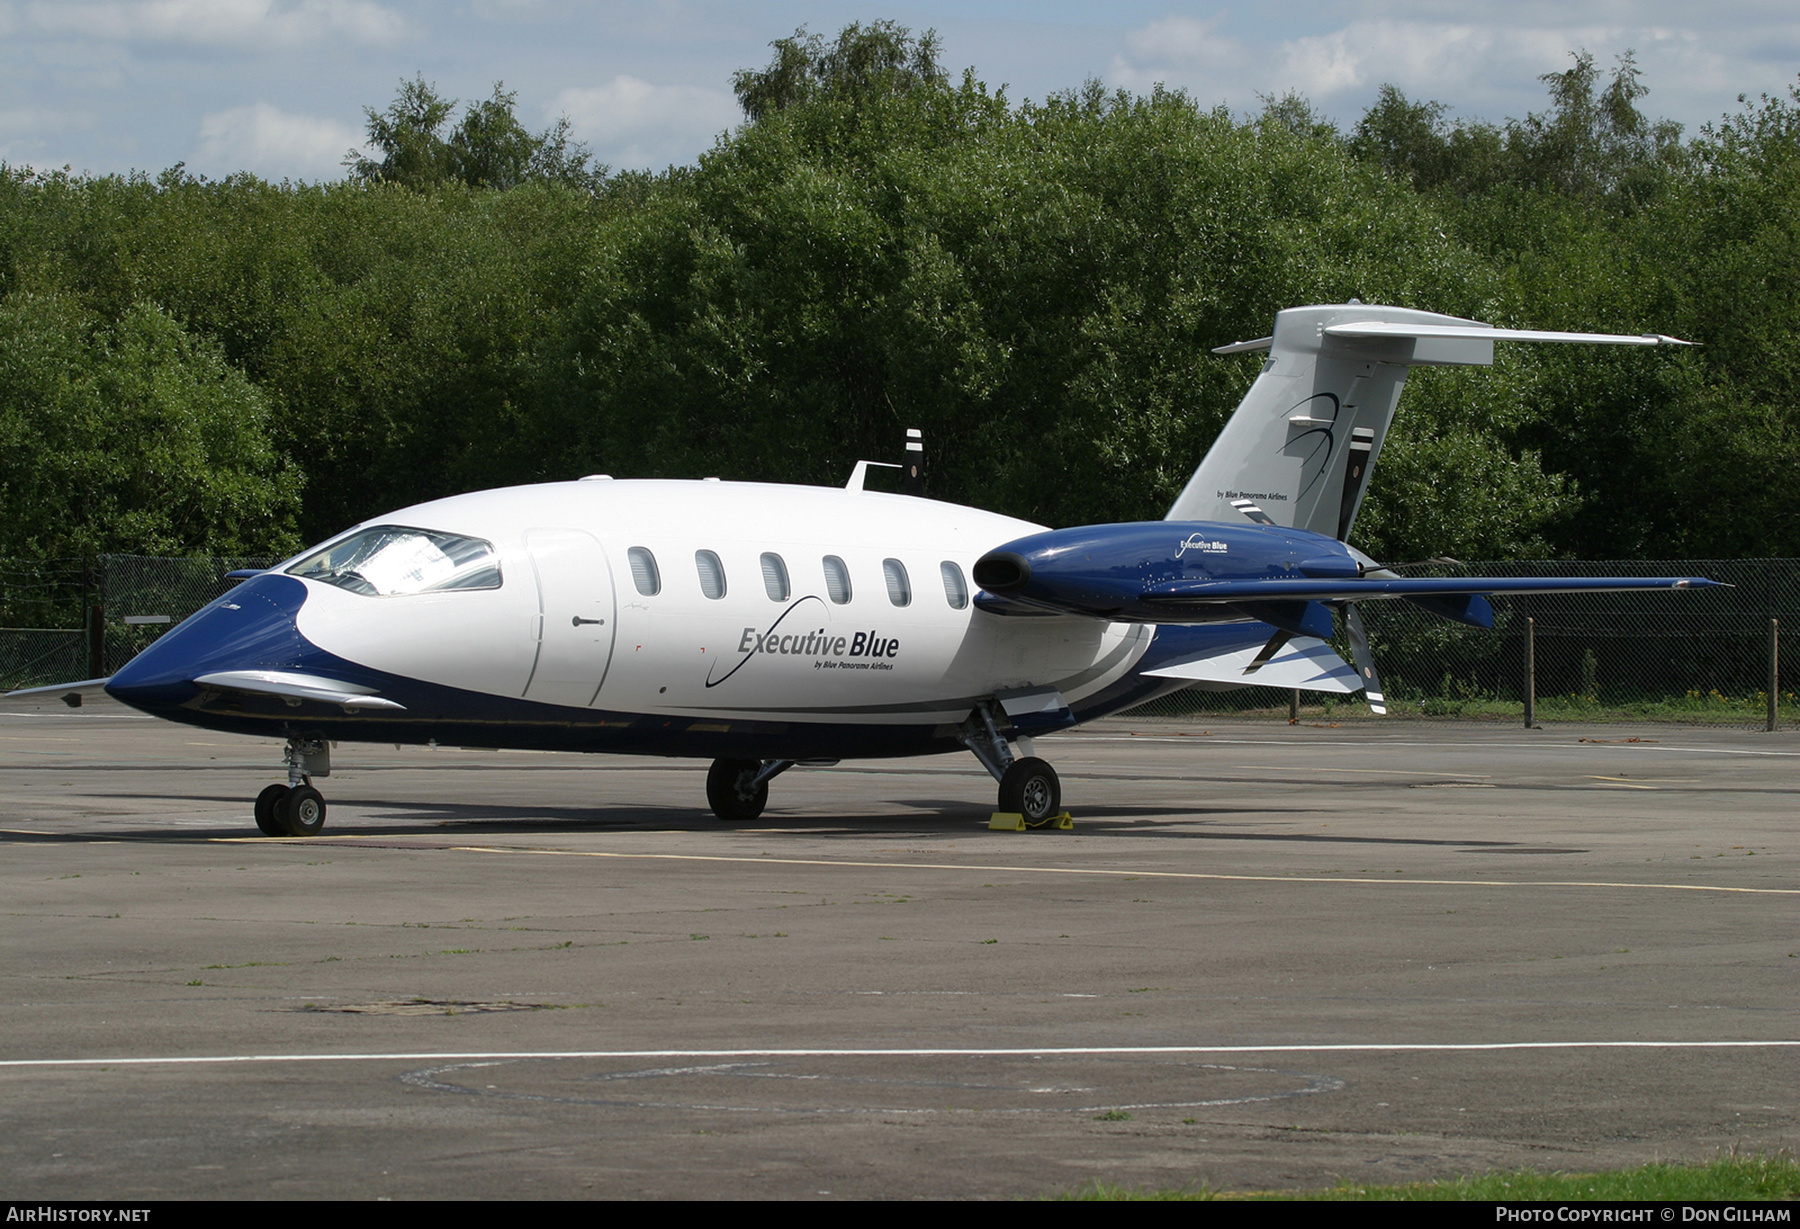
[(382, 817)]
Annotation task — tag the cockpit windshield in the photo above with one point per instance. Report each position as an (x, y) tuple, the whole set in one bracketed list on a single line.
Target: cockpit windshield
[(392, 560)]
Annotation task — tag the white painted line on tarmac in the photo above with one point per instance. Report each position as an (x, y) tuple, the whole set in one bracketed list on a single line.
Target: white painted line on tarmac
[(987, 868), (990, 1052), (1381, 772)]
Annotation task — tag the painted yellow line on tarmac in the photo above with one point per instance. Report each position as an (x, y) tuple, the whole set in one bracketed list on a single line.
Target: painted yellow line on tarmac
[(990, 868)]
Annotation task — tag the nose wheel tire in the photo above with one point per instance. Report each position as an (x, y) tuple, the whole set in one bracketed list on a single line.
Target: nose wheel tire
[(302, 812), (730, 790), (290, 811), (266, 802), (1030, 788)]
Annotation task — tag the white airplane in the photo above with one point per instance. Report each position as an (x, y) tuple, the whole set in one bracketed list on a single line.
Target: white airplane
[(764, 626)]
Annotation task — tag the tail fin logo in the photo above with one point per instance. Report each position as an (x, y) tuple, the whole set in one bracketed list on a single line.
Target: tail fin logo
[(1322, 448)]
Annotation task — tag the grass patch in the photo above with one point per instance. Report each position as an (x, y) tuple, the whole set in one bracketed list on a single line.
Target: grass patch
[(1730, 1178)]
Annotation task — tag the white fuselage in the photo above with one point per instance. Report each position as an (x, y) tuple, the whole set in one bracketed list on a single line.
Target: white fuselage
[(571, 626)]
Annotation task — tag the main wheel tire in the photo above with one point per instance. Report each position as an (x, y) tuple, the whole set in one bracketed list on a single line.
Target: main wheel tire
[(1030, 788), (267, 820), (728, 788), (302, 812)]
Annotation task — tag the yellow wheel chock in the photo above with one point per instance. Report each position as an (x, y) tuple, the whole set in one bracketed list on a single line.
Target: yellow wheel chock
[(1012, 821)]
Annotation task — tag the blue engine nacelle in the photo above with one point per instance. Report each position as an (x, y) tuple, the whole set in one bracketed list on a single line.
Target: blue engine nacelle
[(1115, 571)]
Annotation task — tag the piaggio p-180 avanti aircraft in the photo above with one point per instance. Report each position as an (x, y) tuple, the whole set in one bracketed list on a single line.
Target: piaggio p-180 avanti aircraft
[(764, 626)]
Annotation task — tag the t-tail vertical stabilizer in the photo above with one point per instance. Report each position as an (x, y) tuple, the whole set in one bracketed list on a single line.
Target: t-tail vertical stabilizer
[(1299, 449)]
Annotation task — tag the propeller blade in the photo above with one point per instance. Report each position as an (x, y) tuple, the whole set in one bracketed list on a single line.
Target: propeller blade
[(1365, 661), (1269, 650)]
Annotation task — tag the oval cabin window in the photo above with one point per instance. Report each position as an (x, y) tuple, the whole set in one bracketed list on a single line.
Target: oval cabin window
[(956, 589), (643, 571), (712, 574), (775, 577), (837, 580), (898, 586)]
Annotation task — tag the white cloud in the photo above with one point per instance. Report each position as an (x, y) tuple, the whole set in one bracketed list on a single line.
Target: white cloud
[(259, 23), (1486, 59), (273, 144), (1178, 51), (631, 123), (23, 133)]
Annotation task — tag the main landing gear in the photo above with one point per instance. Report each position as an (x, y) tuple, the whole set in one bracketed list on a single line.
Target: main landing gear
[(296, 809), (1028, 786), (739, 789)]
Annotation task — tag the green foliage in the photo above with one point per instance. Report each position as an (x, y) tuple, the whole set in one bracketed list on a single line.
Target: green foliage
[(488, 149), (131, 437), (1591, 144), (866, 62), (1035, 285), (1730, 1178)]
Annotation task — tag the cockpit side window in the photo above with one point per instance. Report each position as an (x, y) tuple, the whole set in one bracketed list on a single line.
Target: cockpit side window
[(396, 561)]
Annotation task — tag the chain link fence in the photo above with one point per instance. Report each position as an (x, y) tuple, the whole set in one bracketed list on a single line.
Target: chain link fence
[(1699, 656), (39, 656), (44, 607), (73, 619), (145, 596)]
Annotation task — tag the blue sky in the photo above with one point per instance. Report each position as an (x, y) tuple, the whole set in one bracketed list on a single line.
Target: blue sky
[(278, 87)]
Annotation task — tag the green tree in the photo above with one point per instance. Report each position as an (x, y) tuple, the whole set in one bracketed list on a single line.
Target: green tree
[(1036, 287), (488, 149), (1595, 144), (409, 137), (865, 62), (131, 438)]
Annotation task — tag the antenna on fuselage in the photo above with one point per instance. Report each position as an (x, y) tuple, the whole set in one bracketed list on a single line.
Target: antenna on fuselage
[(913, 483)]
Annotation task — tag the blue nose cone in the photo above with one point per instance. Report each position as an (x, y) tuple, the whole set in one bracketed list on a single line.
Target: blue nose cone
[(250, 628)]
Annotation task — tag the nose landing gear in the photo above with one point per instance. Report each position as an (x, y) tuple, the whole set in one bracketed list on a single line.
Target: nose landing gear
[(296, 809), (1029, 787)]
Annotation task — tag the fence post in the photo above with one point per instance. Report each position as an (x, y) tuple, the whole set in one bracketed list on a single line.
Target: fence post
[(1530, 673), (1293, 705), (96, 641), (1774, 668)]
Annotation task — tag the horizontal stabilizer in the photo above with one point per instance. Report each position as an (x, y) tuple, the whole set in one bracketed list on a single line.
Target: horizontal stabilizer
[(291, 685), (1304, 662), (1481, 332)]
